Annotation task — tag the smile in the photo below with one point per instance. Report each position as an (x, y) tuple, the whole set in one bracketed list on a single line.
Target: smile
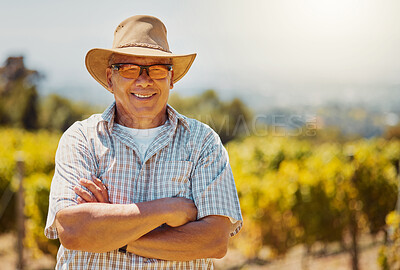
[(143, 96)]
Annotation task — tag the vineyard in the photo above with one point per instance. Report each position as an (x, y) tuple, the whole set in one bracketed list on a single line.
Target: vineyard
[(37, 149), (292, 191)]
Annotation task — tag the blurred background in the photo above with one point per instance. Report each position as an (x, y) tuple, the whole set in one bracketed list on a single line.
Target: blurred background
[(305, 96)]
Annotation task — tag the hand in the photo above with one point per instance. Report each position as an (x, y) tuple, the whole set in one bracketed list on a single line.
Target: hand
[(181, 211), (98, 191)]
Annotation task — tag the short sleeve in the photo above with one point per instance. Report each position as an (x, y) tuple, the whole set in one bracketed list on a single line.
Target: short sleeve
[(73, 161), (213, 187)]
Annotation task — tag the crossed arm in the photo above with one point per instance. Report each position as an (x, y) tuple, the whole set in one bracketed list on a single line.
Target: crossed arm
[(164, 229)]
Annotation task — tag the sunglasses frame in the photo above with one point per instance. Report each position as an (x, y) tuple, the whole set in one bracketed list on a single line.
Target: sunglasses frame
[(142, 67)]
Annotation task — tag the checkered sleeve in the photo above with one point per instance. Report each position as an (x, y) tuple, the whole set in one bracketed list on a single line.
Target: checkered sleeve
[(73, 161), (213, 186)]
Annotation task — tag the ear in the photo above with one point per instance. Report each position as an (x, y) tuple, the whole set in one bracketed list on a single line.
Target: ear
[(109, 79), (171, 84)]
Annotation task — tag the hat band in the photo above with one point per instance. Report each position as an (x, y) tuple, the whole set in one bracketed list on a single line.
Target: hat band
[(144, 45)]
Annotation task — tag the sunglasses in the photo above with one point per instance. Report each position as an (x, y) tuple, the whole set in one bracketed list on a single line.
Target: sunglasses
[(133, 71)]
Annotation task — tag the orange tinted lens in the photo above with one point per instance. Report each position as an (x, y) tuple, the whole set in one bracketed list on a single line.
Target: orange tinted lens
[(129, 71), (158, 72)]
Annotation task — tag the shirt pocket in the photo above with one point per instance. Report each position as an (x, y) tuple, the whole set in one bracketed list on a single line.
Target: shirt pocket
[(172, 179)]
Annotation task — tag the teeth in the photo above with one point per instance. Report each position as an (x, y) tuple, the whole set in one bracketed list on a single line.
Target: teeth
[(143, 96)]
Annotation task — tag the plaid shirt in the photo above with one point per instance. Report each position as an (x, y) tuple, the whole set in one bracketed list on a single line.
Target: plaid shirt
[(186, 159)]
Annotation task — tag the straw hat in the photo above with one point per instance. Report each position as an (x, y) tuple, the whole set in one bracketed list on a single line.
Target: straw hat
[(140, 35)]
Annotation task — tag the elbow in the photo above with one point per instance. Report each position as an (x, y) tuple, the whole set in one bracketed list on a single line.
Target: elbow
[(221, 251), (67, 232), (219, 236), (68, 238), (220, 248), (68, 242)]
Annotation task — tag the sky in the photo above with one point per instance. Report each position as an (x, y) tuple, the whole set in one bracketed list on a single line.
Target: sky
[(282, 51)]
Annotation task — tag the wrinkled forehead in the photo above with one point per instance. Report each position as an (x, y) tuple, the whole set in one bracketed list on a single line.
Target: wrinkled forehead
[(139, 60)]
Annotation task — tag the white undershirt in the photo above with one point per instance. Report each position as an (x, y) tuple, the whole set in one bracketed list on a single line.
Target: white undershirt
[(143, 137)]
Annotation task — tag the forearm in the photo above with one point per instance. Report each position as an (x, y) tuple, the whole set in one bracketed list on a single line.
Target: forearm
[(99, 227), (206, 238)]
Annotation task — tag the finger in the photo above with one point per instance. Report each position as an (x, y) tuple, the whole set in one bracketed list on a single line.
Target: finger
[(98, 182), (103, 188), (87, 196), (102, 195), (80, 200), (96, 191)]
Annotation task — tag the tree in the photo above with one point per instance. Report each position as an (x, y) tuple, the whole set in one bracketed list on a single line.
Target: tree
[(18, 95), (228, 119), (58, 113)]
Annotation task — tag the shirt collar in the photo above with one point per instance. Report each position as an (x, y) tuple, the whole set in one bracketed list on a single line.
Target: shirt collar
[(173, 116), (109, 116)]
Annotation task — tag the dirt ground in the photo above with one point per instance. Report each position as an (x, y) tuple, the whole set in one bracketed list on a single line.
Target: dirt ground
[(334, 259), (9, 257), (232, 261), (293, 261)]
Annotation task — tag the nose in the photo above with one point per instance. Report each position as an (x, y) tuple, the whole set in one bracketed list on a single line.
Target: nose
[(144, 79)]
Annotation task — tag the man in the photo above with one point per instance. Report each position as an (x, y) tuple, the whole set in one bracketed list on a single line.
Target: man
[(141, 186)]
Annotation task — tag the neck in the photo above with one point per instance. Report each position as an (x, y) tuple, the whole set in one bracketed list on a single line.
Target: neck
[(139, 122)]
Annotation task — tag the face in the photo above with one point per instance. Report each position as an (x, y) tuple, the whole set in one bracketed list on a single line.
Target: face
[(141, 102)]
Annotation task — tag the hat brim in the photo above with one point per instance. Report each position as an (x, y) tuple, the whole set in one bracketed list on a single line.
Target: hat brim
[(96, 61)]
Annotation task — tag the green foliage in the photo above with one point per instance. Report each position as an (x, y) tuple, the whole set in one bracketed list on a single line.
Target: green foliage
[(292, 191), (375, 180), (389, 254), (19, 106), (229, 119), (58, 113), (38, 152)]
